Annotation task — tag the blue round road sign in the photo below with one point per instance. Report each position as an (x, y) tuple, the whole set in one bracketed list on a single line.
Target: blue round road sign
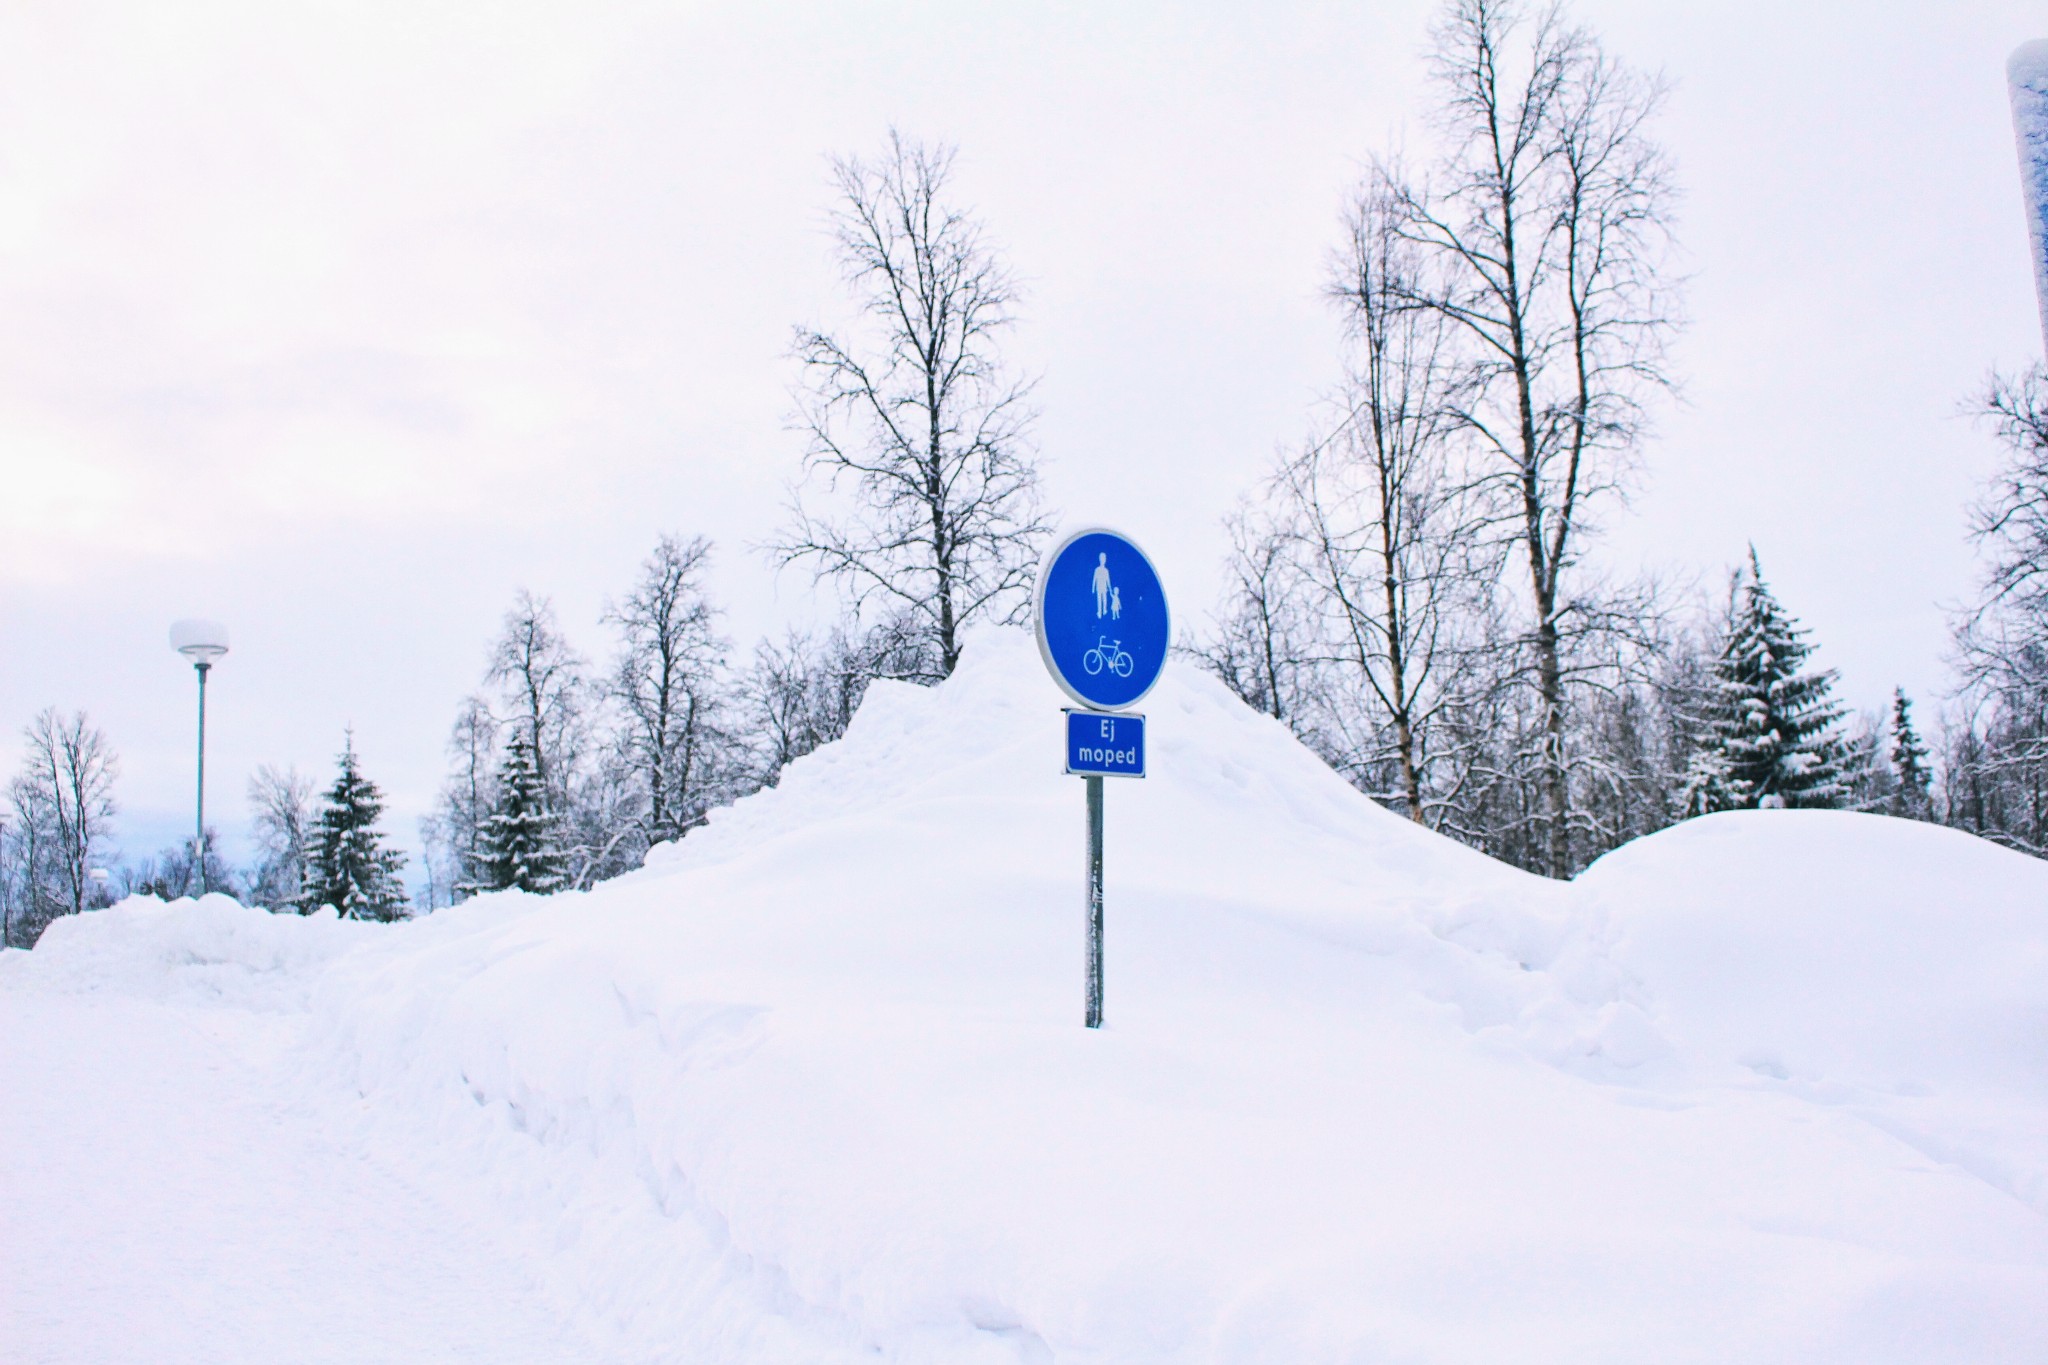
[(1102, 623)]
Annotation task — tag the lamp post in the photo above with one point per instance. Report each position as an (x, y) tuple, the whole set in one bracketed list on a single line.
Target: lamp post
[(202, 642)]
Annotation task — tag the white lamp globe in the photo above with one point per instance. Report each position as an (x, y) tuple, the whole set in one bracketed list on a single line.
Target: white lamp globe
[(200, 641)]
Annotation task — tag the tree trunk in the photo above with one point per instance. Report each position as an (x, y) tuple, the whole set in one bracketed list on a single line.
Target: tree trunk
[(942, 548), (1556, 793)]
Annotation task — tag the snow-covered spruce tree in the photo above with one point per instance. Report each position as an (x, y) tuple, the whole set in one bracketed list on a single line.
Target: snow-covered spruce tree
[(1913, 798), (1710, 784), (1772, 730), (517, 843), (347, 865), (543, 692)]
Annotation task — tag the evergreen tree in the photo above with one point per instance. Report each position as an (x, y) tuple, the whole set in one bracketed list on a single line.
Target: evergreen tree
[(517, 848), (347, 865), (1914, 797), (1710, 784), (1772, 729)]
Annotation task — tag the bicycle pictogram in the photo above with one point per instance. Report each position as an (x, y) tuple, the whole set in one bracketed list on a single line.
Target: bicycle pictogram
[(1109, 654)]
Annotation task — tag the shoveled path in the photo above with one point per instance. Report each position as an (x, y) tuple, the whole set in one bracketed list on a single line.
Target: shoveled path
[(164, 1199)]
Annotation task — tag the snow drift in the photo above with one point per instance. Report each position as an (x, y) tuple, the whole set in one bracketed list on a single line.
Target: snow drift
[(812, 1085)]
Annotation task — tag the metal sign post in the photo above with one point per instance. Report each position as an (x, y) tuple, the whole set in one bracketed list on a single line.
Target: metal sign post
[(1101, 744), (1094, 1011), (1103, 632)]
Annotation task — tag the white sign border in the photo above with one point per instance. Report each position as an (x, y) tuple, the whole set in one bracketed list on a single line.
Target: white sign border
[(1038, 617)]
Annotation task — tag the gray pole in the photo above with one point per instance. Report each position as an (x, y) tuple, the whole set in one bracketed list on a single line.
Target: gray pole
[(1094, 902), (199, 843)]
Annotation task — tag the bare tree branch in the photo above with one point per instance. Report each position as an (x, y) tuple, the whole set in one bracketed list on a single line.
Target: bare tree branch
[(917, 427)]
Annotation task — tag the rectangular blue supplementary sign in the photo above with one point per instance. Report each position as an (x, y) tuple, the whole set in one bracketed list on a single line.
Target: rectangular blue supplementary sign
[(1103, 745)]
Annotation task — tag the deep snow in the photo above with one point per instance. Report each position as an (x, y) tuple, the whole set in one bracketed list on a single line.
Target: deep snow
[(163, 1199), (812, 1086)]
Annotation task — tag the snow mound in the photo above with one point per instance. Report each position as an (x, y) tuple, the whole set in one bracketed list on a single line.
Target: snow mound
[(212, 950), (812, 1084), (1828, 946), (1888, 966)]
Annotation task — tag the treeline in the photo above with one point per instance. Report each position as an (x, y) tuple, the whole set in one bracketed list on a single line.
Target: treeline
[(1412, 589), (565, 773), (918, 505)]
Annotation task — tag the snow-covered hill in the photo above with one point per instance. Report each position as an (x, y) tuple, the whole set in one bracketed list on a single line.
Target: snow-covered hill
[(812, 1086)]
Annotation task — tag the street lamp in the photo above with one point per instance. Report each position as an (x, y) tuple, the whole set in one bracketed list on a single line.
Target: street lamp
[(202, 642)]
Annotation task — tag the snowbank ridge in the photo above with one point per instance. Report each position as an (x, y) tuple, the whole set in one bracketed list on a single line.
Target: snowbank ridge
[(812, 1085)]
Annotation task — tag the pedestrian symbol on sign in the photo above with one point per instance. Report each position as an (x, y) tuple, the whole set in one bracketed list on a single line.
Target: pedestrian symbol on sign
[(1103, 587)]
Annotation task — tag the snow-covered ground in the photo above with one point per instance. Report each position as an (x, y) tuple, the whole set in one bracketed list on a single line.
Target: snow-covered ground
[(812, 1086)]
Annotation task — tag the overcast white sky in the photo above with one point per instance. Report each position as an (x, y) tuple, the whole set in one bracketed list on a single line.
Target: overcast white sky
[(342, 322)]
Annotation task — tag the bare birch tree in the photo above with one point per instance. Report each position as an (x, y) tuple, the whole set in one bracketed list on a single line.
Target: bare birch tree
[(280, 804), (1392, 541), (1262, 641), (802, 692), (1549, 211), (541, 679), (2004, 640), (1997, 751), (669, 685), (915, 421), (25, 858), (64, 807), (466, 798)]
